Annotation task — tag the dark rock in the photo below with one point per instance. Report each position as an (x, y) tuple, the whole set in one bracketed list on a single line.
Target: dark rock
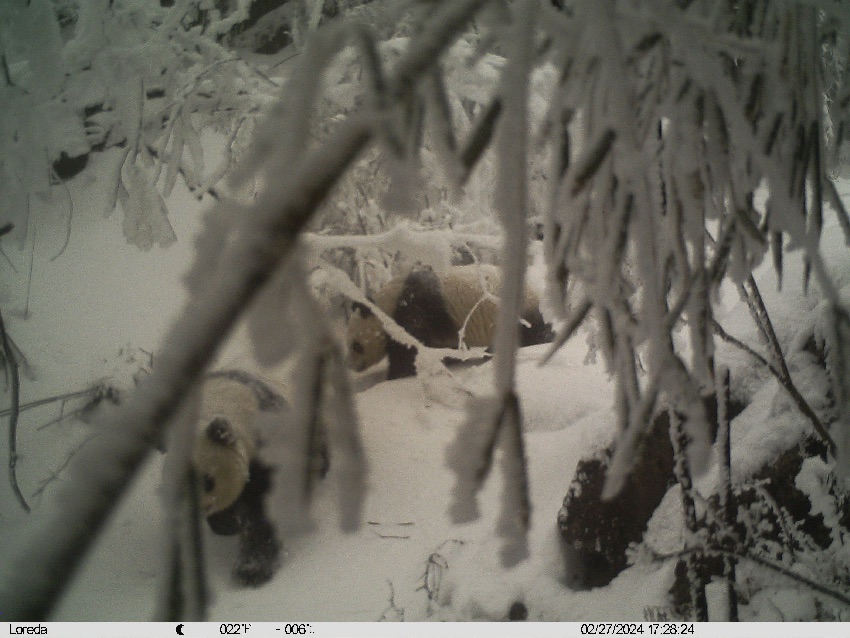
[(597, 531), (785, 525)]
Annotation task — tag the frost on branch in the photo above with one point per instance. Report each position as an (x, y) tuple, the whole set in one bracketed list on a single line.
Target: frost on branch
[(501, 417), (470, 457), (136, 76), (702, 137), (145, 214), (692, 146)]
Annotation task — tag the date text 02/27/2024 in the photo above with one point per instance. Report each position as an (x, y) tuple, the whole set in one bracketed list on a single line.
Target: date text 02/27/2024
[(636, 629)]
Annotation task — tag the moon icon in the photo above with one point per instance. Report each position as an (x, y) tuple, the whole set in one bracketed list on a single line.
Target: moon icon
[(180, 630)]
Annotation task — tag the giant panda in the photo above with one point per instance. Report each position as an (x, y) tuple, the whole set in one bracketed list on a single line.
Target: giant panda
[(433, 307), (233, 480)]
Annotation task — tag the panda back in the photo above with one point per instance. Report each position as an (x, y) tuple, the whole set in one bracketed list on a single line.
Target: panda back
[(267, 397), (222, 397), (421, 308), (471, 294)]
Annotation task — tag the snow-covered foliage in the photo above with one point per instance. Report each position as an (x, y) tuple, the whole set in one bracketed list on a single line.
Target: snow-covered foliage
[(88, 76), (666, 149), (687, 114)]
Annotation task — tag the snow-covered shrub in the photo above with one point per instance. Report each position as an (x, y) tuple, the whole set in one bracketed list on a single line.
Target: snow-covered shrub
[(86, 76)]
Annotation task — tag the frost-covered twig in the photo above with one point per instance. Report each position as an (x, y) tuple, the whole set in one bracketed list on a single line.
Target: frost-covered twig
[(840, 210), (568, 329), (435, 568), (504, 408), (393, 613), (197, 189), (62, 417), (67, 192), (758, 311), (403, 236), (791, 537), (785, 381), (183, 594), (515, 514), (11, 364), (350, 459), (758, 560), (32, 261), (789, 573), (54, 474), (479, 138), (837, 335), (58, 397), (186, 595)]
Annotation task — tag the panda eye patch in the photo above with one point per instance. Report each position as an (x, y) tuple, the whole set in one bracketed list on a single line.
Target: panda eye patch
[(219, 431), (357, 347), (209, 483)]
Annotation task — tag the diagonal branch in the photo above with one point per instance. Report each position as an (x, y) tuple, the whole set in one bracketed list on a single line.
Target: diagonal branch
[(786, 382), (43, 559)]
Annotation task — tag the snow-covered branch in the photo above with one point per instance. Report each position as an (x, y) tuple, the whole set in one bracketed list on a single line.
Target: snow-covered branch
[(43, 559), (690, 119)]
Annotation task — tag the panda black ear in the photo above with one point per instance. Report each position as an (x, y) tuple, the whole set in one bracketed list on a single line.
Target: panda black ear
[(220, 432), (363, 309), (208, 481)]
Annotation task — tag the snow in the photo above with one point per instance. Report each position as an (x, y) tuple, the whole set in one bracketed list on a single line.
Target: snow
[(408, 560), (97, 311), (330, 575)]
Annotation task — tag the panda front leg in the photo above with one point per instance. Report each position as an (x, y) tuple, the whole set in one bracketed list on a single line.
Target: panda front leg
[(259, 553), (259, 547), (402, 361)]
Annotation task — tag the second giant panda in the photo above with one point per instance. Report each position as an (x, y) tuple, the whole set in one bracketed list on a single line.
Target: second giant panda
[(233, 480), (436, 309)]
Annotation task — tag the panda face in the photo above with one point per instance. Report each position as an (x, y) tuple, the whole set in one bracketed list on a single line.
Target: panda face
[(221, 461), (367, 341), (224, 441)]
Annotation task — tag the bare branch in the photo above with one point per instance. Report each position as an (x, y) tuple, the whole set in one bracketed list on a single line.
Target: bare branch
[(784, 380), (14, 412), (763, 562), (59, 397)]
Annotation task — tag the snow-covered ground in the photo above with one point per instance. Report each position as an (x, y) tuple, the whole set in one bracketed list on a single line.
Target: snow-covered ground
[(98, 310), (329, 575)]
